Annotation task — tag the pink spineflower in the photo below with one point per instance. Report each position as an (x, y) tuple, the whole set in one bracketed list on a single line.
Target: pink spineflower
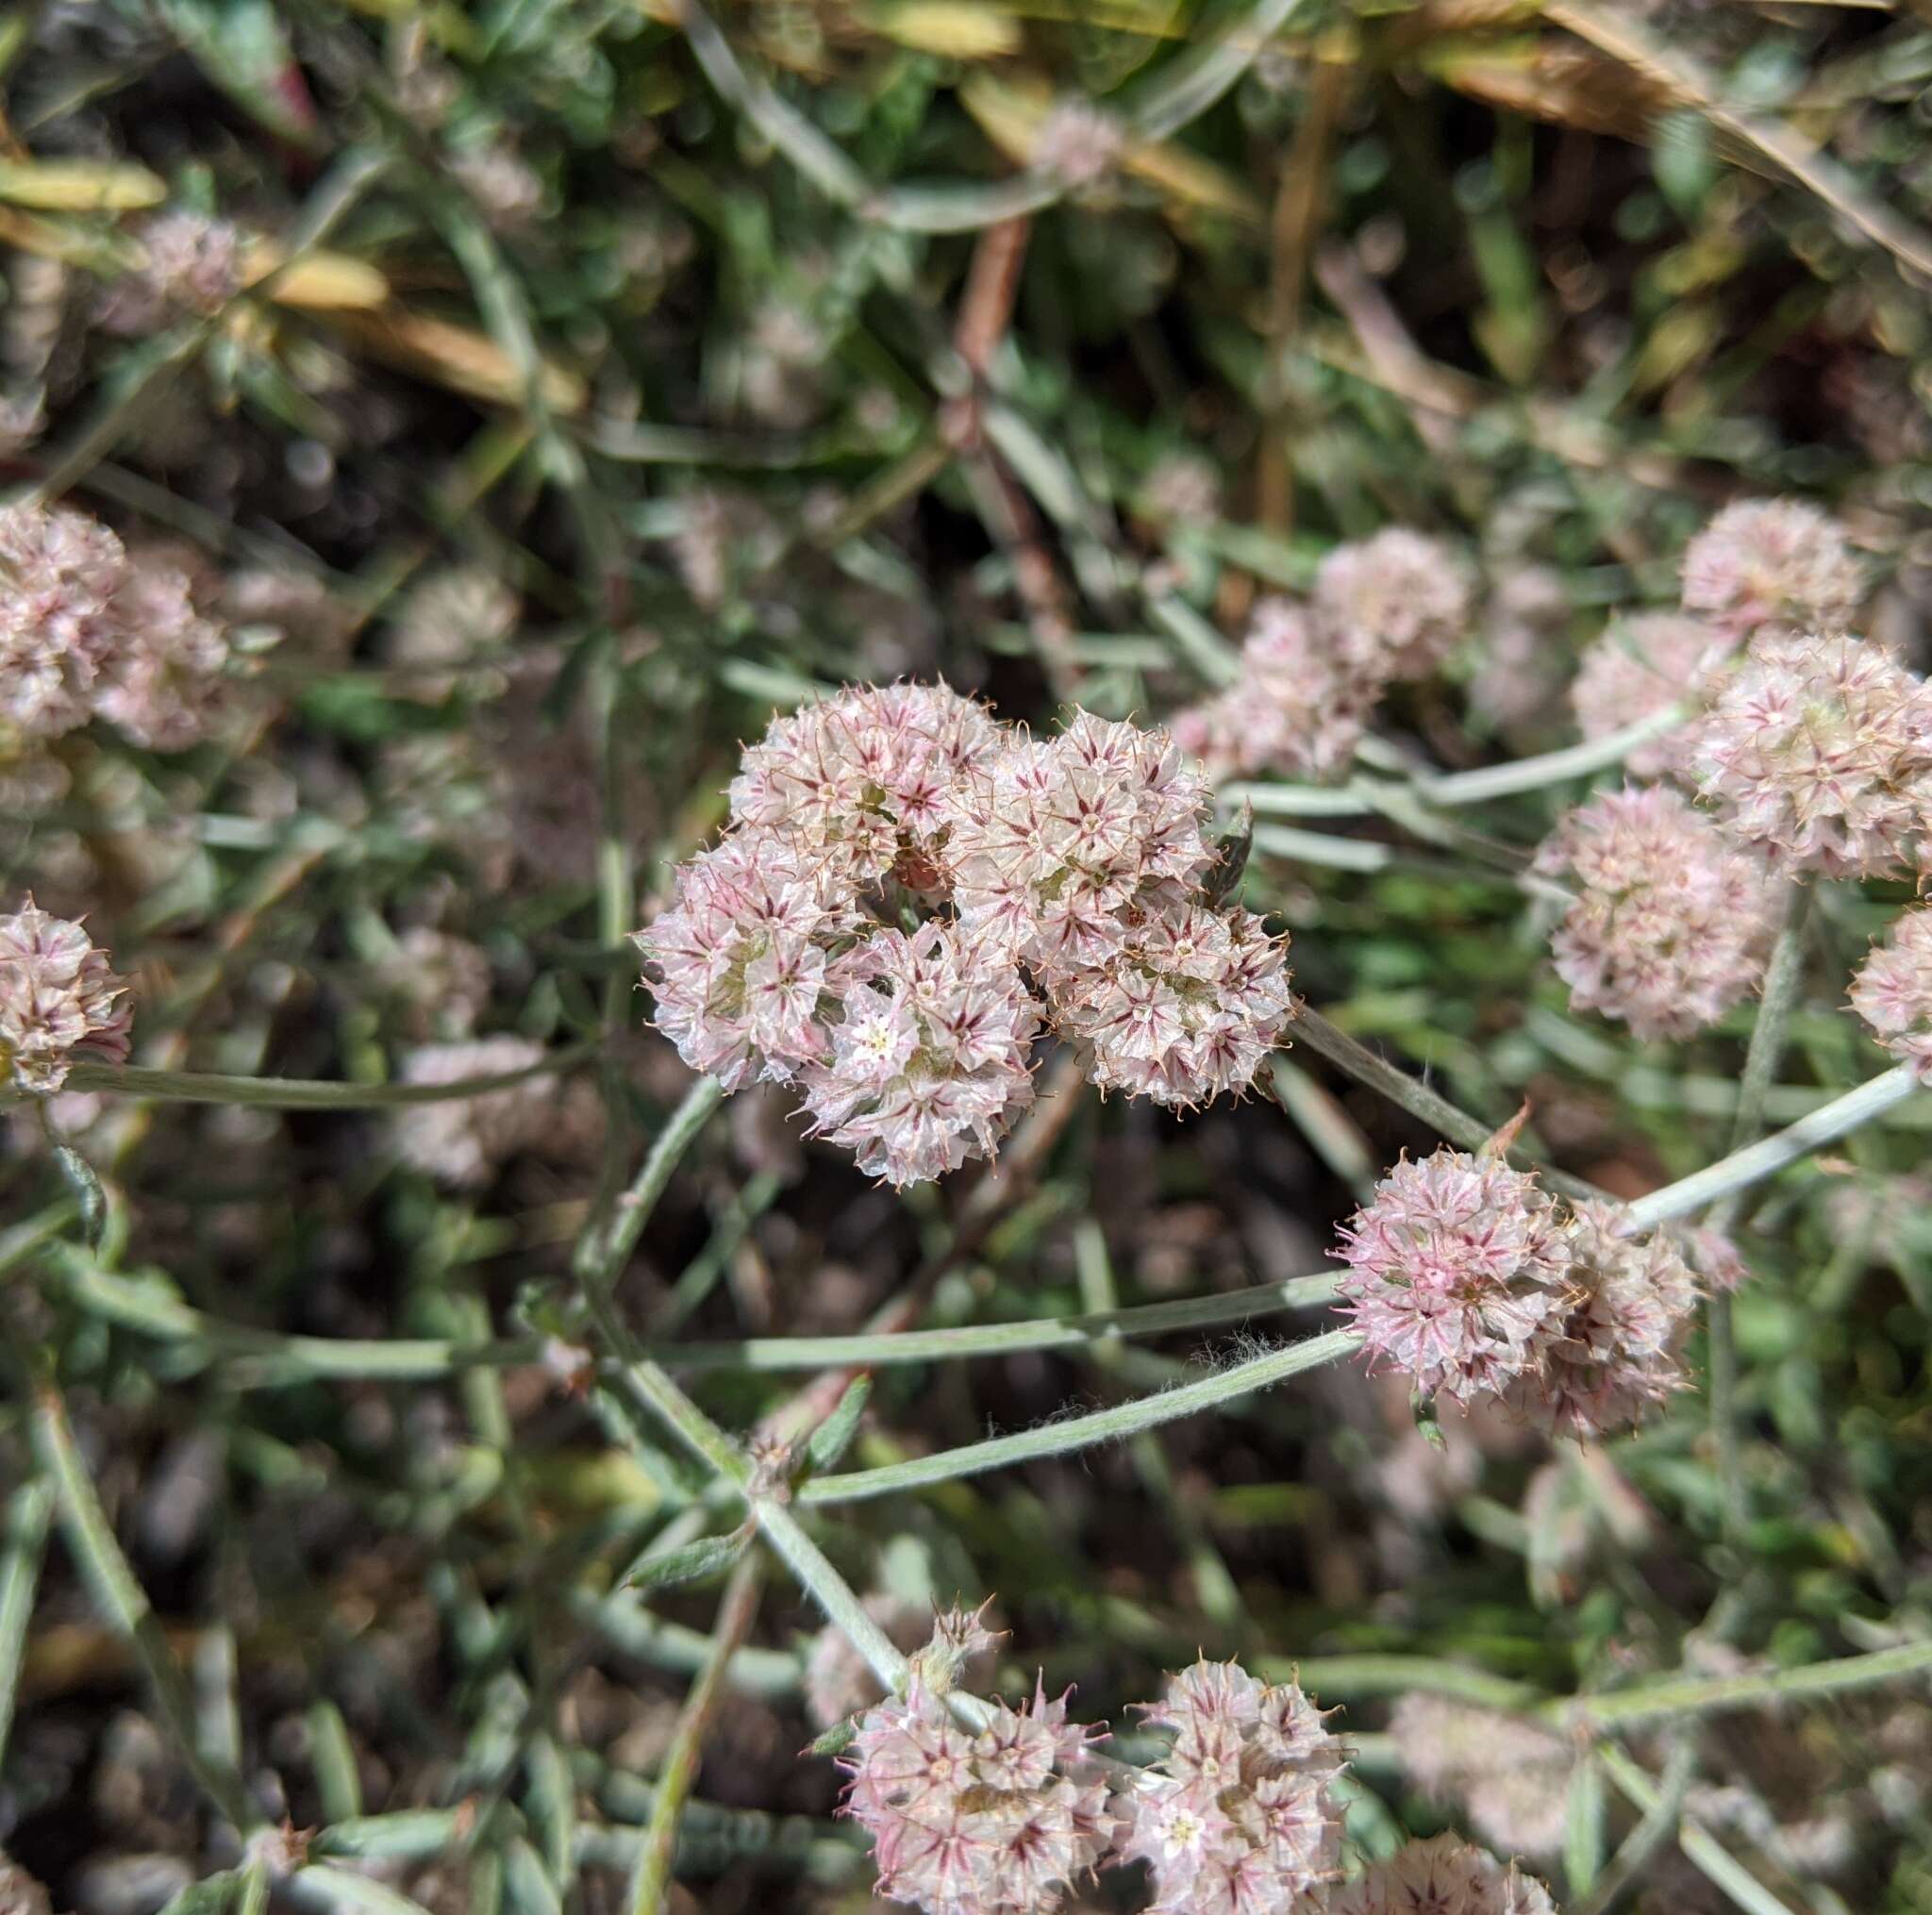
[(865, 779), (461, 1141), (452, 620), (60, 1000), (1457, 1273), (1672, 924), (61, 577), (191, 265), (164, 684), (1892, 990), (928, 1063), (1508, 1776), (1641, 666), (1079, 143), (1613, 1356), (1766, 562), (1817, 751), (1240, 1817), (1002, 1821), (1186, 1007), (1442, 1875), (1297, 708), (1394, 606)]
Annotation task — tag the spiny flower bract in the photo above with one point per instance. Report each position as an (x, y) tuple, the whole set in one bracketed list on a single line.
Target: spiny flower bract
[(1817, 751), (1239, 1816), (1892, 990), (60, 999), (1671, 924)]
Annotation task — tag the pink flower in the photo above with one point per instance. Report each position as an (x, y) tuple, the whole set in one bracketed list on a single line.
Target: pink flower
[(1766, 562), (1079, 143), (1442, 1875), (1240, 1817), (1508, 1776), (1818, 752), (60, 625), (1457, 1273), (163, 686), (191, 265), (1892, 990), (1394, 606), (1644, 665), (1671, 924), (58, 999)]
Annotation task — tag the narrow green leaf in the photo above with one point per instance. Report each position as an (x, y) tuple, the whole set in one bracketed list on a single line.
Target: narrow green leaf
[(707, 1556), (833, 1437), (85, 1183), (835, 1741)]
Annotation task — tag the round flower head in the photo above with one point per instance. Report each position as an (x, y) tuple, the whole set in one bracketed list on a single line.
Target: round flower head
[(461, 1141), (1185, 1008), (1297, 706), (1079, 143), (1240, 1817), (1671, 924), (998, 1823), (451, 619), (1394, 606), (1892, 990), (928, 1063), (1181, 488), (1457, 1273), (59, 577), (164, 684), (58, 999), (1772, 563), (864, 780), (191, 265), (1509, 1776), (1612, 1357), (1443, 1876), (1639, 667), (1818, 752)]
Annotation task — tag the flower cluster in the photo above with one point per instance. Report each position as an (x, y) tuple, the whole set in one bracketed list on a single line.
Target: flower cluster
[(1642, 666), (1892, 990), (1079, 143), (1818, 752), (58, 999), (1507, 1775), (1001, 1822), (88, 630), (1671, 924), (1771, 563), (1384, 608), (1471, 1281), (1238, 1818), (191, 266), (459, 1141), (1058, 880), (450, 620), (1442, 1875)]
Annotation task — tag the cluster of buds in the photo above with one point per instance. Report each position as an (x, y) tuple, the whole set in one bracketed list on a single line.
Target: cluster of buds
[(1240, 1817), (1044, 882), (1388, 608), (89, 630), (1468, 1278), (1672, 924), (58, 1001), (1442, 1875), (1892, 990), (999, 1820), (1817, 751)]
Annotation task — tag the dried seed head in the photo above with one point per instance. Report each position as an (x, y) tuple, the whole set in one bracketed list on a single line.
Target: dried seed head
[(463, 1139), (191, 265), (1079, 143)]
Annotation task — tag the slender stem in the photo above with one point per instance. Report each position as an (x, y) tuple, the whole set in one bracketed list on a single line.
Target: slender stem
[(304, 1093), (678, 1773), (1354, 1675), (1652, 1830), (1081, 1432), (1709, 1856), (1550, 768), (603, 1254), (1770, 1154), (813, 1569), (24, 1531), (119, 1593), (1703, 1696)]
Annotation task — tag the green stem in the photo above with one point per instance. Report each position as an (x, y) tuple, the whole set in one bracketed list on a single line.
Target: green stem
[(24, 1528), (304, 1093), (603, 1254), (1712, 1694), (678, 1773), (1081, 1432), (1709, 1856), (1354, 1675)]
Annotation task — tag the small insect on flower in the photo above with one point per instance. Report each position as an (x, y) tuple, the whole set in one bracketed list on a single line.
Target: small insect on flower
[(1772, 562), (59, 1000), (1817, 751), (1892, 990), (1443, 1876), (1672, 924), (1240, 1817)]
